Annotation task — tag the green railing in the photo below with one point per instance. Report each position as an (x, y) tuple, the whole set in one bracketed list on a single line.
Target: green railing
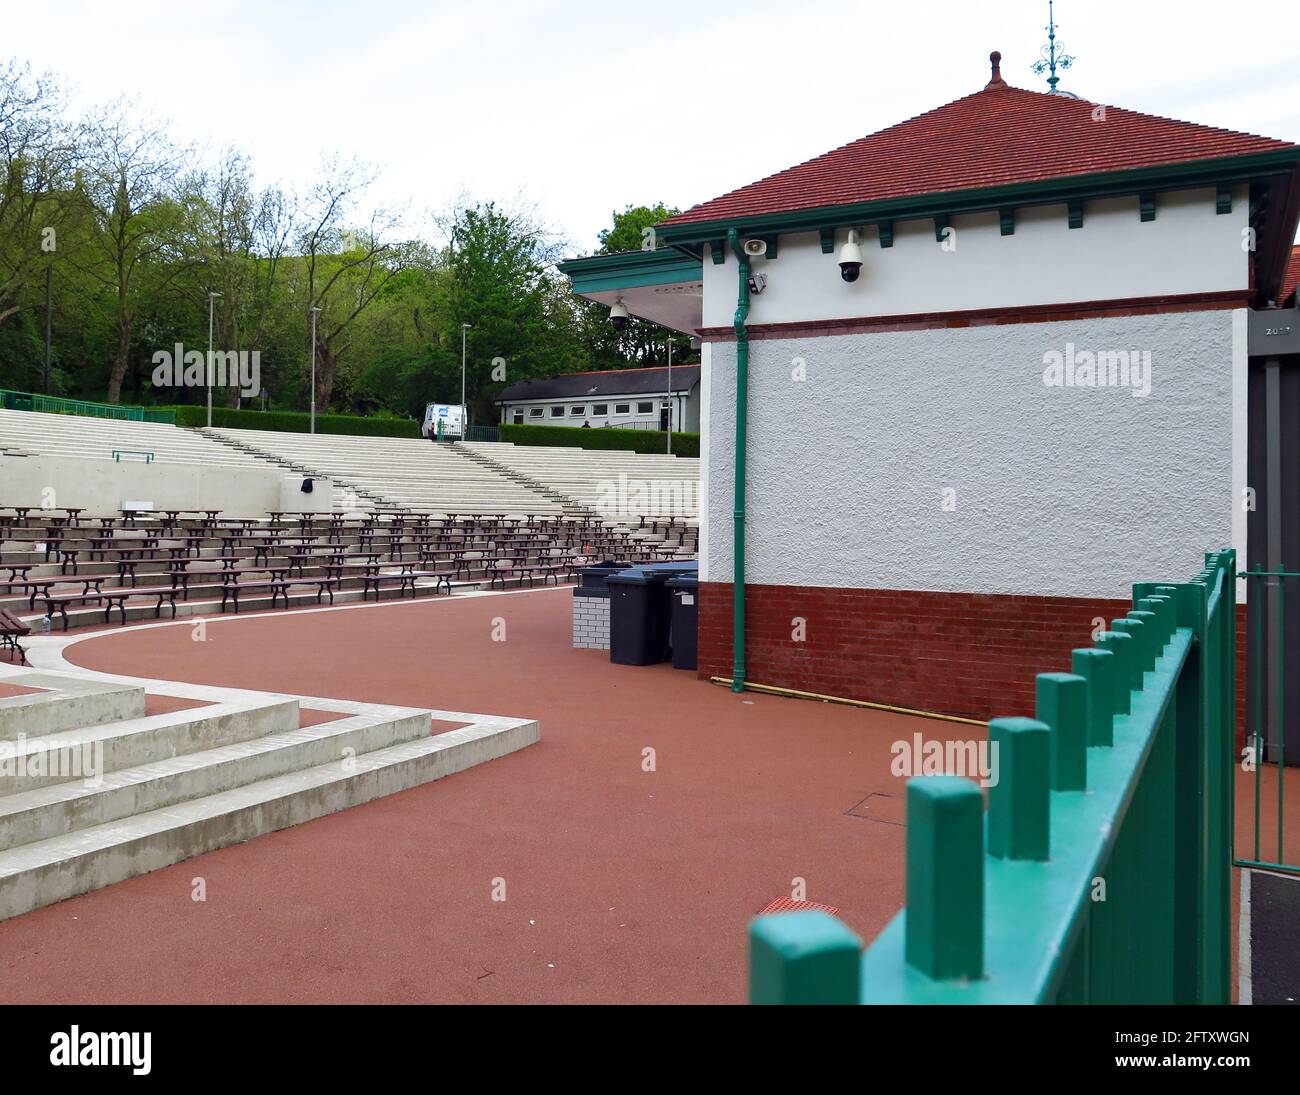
[(482, 433), (50, 404), (1100, 871), (1271, 677), (119, 453)]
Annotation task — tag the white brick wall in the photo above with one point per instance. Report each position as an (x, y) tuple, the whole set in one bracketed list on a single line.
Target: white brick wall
[(591, 623)]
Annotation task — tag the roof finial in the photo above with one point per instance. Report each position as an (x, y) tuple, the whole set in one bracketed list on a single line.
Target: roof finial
[(995, 59), (1051, 60)]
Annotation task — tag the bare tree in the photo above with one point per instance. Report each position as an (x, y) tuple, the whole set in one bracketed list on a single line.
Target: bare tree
[(241, 236), (37, 156), (129, 184), (347, 268)]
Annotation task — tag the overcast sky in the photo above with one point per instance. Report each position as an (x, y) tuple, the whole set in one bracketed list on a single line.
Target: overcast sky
[(579, 108)]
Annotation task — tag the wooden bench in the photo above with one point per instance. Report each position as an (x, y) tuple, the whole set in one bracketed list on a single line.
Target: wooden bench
[(110, 599), (11, 630), (502, 570), (405, 580)]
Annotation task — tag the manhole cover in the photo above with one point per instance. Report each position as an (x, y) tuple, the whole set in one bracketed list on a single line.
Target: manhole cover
[(878, 806), (789, 904)]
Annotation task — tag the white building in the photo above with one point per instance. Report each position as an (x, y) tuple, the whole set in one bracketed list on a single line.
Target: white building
[(1030, 387), (629, 399)]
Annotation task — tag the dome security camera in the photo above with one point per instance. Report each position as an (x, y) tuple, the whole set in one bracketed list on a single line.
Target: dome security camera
[(618, 316), (851, 257)]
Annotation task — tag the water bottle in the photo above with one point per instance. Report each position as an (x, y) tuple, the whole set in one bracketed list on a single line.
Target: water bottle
[(47, 624)]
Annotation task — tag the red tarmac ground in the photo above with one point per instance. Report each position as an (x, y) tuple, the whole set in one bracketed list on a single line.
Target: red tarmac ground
[(621, 884)]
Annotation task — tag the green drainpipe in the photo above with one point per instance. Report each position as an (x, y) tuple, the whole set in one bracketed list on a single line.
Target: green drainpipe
[(738, 514)]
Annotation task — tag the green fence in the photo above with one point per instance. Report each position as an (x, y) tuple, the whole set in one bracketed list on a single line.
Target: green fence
[(1100, 870), (31, 401), (1268, 747)]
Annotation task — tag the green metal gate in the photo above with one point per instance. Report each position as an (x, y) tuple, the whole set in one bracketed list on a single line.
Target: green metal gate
[(1100, 871), (1272, 700)]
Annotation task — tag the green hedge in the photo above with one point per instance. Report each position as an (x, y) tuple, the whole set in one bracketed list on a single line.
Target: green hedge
[(295, 421), (647, 441)]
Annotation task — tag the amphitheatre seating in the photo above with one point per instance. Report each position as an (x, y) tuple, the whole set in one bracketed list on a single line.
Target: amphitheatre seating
[(34, 433), (618, 485), (201, 565), (410, 473)]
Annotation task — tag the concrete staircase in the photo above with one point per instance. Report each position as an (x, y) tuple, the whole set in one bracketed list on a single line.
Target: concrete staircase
[(365, 499), (94, 791), (569, 505)]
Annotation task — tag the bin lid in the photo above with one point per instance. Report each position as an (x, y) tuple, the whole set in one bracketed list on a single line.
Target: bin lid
[(684, 581), (633, 576)]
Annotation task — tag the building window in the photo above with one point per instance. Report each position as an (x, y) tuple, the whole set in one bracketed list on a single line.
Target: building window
[(557, 412), (519, 418), (600, 408), (645, 408), (534, 412), (578, 411), (622, 408)]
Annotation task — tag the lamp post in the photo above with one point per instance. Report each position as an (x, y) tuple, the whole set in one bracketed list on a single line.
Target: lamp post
[(212, 303), (464, 423), (671, 408), (313, 370)]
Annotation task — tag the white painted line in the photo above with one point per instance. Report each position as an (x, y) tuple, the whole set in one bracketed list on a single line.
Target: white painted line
[(46, 652)]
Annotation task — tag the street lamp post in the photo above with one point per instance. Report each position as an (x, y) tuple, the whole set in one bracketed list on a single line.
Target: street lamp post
[(313, 370), (464, 424), (212, 301), (671, 408)]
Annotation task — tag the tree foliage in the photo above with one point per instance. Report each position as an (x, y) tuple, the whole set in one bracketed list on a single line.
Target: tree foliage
[(141, 238)]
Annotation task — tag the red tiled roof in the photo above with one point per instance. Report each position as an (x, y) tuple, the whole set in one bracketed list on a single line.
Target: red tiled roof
[(997, 136), (1290, 276)]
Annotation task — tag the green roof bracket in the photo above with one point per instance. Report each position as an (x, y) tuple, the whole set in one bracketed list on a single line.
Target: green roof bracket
[(1223, 198), (1075, 206), (1147, 205), (1007, 221), (828, 240), (886, 230)]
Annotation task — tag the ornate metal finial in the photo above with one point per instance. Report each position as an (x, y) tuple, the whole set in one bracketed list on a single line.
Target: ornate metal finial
[(1052, 59)]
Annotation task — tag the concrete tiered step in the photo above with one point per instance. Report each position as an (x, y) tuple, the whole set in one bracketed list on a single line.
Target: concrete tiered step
[(168, 787)]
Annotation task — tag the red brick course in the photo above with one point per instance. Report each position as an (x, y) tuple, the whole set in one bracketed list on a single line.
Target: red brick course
[(966, 654)]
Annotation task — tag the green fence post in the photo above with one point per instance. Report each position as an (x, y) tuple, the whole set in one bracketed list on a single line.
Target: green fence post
[(1150, 637), (1020, 791), (1137, 649), (1097, 667), (804, 957), (1121, 645), (1061, 702), (944, 928)]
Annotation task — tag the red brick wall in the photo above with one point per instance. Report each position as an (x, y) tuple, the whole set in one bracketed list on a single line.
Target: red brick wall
[(955, 653)]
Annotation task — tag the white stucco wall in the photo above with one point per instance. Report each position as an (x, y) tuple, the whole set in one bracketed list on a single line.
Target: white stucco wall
[(1060, 491), (1188, 248)]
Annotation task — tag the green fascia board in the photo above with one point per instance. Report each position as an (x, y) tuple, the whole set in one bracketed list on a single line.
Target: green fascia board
[(1036, 908), (629, 269), (1181, 176)]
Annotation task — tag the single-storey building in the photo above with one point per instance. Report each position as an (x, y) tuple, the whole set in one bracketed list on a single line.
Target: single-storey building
[(967, 378), (648, 398)]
